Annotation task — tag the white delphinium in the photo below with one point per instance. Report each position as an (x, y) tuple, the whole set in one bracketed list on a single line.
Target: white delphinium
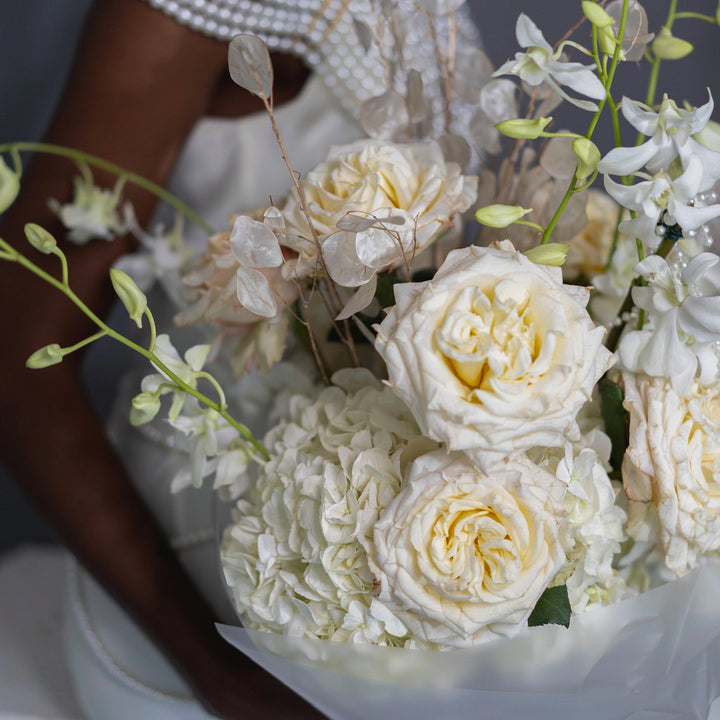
[(93, 213), (295, 556), (540, 64), (683, 322)]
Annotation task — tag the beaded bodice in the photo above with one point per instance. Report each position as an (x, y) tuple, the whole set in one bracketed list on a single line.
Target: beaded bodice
[(323, 33)]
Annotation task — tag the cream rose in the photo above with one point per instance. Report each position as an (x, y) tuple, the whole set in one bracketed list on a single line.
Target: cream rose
[(461, 556), (671, 469), (411, 184), (494, 355)]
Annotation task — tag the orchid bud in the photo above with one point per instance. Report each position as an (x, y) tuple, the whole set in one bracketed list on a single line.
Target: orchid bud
[(130, 294), (608, 43), (9, 186), (500, 216), (553, 254), (145, 407), (44, 357), (668, 47), (588, 157), (596, 15), (522, 129), (40, 238)]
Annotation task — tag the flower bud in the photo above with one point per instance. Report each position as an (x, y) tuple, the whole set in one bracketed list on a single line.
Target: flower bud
[(130, 294), (549, 254), (667, 47), (588, 157), (45, 356), (522, 129), (9, 186), (500, 216), (596, 15), (40, 238), (145, 407), (608, 43)]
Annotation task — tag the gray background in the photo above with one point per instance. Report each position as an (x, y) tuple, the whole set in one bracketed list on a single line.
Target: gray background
[(37, 38)]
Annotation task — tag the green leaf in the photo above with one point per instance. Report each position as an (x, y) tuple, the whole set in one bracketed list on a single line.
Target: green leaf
[(553, 608), (616, 419)]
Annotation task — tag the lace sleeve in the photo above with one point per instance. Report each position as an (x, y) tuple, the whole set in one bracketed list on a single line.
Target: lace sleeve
[(323, 33)]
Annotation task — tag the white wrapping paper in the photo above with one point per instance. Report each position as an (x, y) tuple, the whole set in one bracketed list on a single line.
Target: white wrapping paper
[(652, 657)]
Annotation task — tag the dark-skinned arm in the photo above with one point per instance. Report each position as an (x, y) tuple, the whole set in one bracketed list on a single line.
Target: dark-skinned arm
[(139, 84)]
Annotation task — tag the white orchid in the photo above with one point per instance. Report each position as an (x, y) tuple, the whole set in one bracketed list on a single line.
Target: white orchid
[(683, 322), (94, 212), (540, 64), (670, 130), (660, 193)]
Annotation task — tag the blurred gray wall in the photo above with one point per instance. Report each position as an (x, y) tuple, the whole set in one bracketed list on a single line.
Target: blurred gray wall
[(37, 39)]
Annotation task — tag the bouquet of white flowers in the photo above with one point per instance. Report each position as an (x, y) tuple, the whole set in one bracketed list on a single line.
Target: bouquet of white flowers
[(479, 436)]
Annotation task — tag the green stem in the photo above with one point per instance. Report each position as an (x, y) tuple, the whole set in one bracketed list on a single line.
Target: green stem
[(63, 264), (531, 224), (696, 16), (593, 123), (655, 70), (151, 356), (138, 180), (153, 329), (216, 385), (83, 343)]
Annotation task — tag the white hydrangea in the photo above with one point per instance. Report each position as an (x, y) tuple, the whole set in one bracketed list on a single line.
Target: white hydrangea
[(296, 554), (596, 523)]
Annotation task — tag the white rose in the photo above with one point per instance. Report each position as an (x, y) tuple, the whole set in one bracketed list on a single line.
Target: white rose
[(494, 355), (671, 469), (412, 183), (461, 556)]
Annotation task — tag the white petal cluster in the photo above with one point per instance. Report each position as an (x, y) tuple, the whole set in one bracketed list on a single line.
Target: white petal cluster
[(683, 322), (540, 64), (464, 555), (408, 193), (663, 197), (596, 526), (670, 131), (93, 213), (671, 469), (667, 194), (494, 355), (296, 555)]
